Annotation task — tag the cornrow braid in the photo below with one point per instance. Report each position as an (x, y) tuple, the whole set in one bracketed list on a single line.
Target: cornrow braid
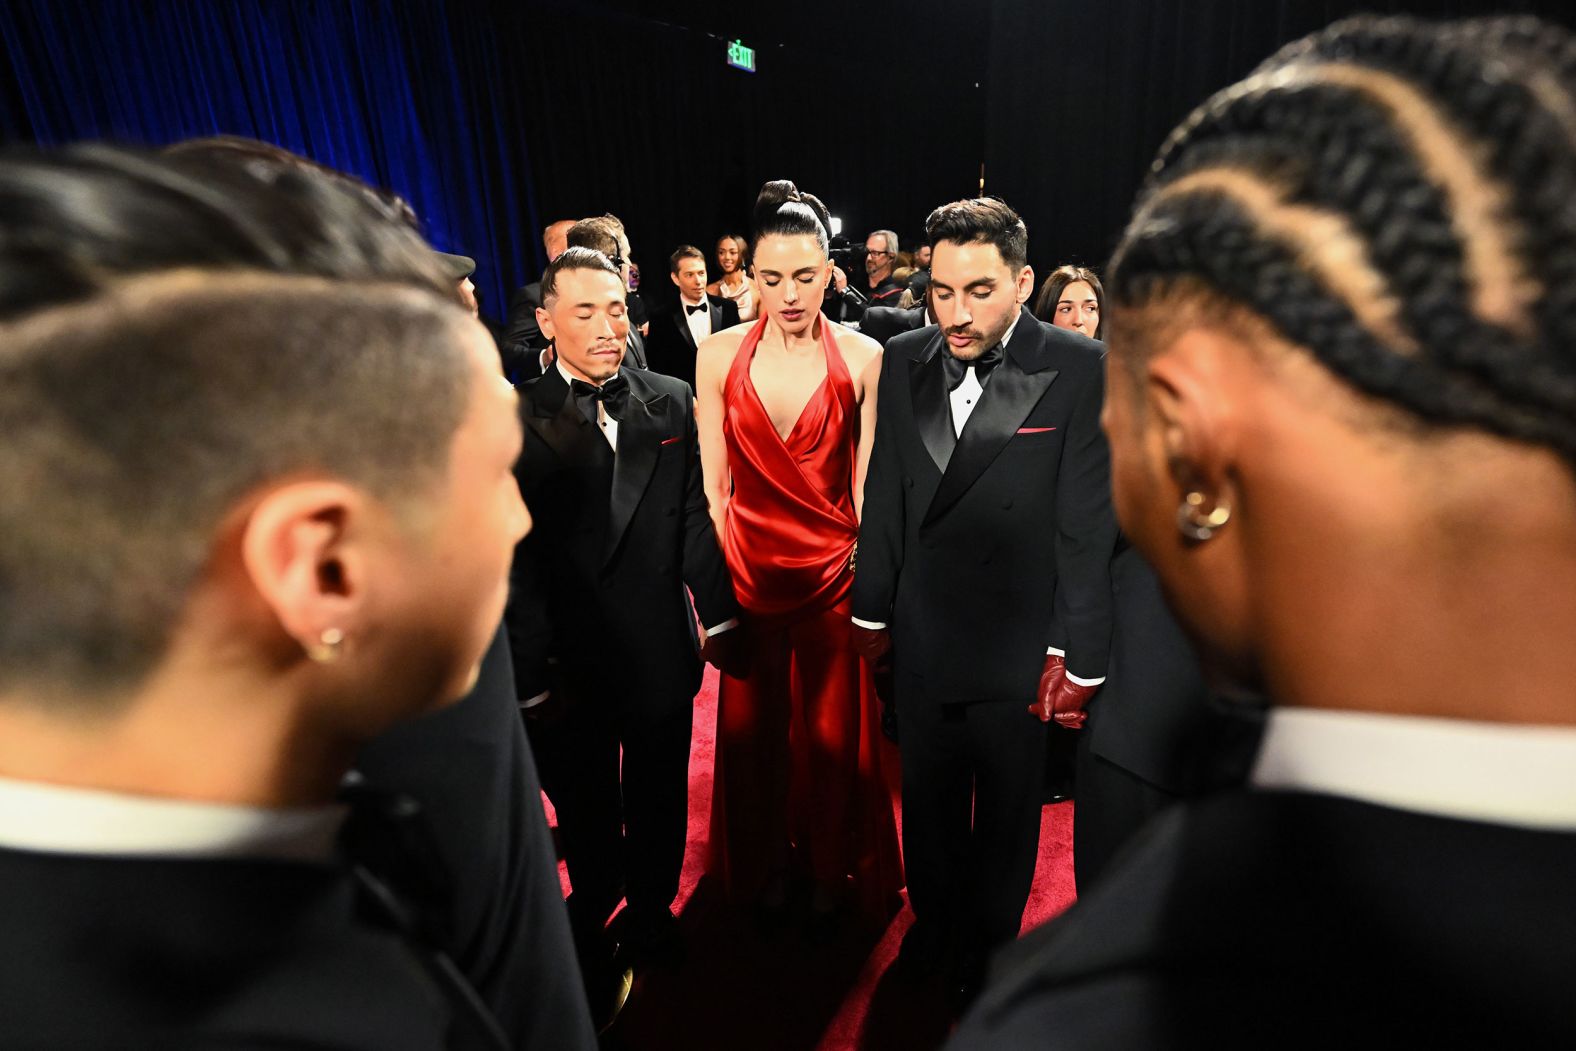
[(1520, 110), (1393, 196)]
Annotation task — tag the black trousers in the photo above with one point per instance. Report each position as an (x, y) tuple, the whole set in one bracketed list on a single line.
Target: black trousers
[(622, 826), (1113, 804), (972, 781)]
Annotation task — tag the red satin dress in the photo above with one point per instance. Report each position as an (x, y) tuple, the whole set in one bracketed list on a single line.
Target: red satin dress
[(798, 782)]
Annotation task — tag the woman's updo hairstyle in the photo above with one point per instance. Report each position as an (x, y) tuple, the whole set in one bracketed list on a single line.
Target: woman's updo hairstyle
[(782, 209)]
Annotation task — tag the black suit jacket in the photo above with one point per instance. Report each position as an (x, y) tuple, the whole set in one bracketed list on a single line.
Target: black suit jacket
[(1284, 919), (979, 567), (105, 952), (672, 346), (520, 326), (598, 585), (882, 323), (1153, 717), (470, 768)]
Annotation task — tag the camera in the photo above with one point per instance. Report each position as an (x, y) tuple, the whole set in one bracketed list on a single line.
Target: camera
[(851, 258)]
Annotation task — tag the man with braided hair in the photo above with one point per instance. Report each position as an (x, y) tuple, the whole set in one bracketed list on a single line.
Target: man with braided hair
[(1343, 429)]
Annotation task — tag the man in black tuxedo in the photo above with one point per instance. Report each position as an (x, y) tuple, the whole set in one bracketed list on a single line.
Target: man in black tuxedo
[(1387, 560), (984, 565), (677, 335), (604, 641), (468, 767), (172, 809)]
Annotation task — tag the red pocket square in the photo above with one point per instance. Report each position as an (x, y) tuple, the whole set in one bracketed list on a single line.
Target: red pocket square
[(670, 441), (1034, 430)]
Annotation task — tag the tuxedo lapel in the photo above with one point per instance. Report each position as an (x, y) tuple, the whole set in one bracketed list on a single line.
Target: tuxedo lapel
[(681, 319), (640, 436), (932, 412), (555, 416), (635, 349), (714, 308), (1015, 387)]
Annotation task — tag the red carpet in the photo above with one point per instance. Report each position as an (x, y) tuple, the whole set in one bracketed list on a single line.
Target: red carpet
[(738, 988)]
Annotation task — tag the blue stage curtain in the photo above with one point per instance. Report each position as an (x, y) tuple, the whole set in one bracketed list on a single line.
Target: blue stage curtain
[(399, 93)]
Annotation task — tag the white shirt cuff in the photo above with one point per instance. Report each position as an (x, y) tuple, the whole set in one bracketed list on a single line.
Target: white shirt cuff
[(1052, 651), (532, 702), (868, 624), (731, 622)]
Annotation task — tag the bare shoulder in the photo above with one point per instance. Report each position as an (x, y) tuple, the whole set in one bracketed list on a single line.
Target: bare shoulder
[(724, 344), (717, 351), (859, 350)]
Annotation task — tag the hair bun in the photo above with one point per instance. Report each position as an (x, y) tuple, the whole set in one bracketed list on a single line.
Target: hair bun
[(773, 196), (782, 209)]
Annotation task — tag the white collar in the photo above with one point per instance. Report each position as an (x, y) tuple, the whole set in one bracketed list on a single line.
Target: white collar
[(63, 820), (1500, 773), (1011, 329)]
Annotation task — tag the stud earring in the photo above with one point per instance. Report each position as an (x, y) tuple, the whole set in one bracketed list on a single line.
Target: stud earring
[(326, 651), (1194, 523)]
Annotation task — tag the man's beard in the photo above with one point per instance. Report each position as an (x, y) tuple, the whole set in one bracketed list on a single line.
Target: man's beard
[(975, 349)]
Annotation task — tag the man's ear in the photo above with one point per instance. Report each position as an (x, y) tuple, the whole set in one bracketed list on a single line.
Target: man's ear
[(1188, 389), (300, 551), (544, 321), (1025, 284), (674, 278)]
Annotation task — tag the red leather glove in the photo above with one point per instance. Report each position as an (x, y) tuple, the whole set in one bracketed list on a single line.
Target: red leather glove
[(873, 644), (1059, 697), (728, 651)]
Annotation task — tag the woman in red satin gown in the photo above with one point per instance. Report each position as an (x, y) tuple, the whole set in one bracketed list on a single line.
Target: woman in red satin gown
[(786, 409)]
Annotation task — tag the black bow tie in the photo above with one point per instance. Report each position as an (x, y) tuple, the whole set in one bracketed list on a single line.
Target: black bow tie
[(613, 394), (695, 309), (982, 365)]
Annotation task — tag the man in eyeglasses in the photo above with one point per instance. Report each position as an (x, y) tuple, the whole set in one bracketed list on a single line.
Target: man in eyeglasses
[(880, 260)]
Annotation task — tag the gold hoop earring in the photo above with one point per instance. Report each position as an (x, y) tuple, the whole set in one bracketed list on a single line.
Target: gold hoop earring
[(1194, 523), (326, 651)]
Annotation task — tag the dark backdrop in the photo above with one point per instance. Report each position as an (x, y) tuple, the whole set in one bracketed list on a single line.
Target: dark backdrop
[(645, 118), (1083, 94), (494, 116)]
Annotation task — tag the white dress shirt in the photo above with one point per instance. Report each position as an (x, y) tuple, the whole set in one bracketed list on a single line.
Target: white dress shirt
[(1501, 773), (968, 393), (699, 321), (608, 424), (59, 819)]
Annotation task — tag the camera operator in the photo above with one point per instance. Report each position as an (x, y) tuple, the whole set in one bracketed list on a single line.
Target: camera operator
[(878, 257)]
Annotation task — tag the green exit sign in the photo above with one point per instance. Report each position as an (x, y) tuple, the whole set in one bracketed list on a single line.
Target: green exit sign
[(741, 57)]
